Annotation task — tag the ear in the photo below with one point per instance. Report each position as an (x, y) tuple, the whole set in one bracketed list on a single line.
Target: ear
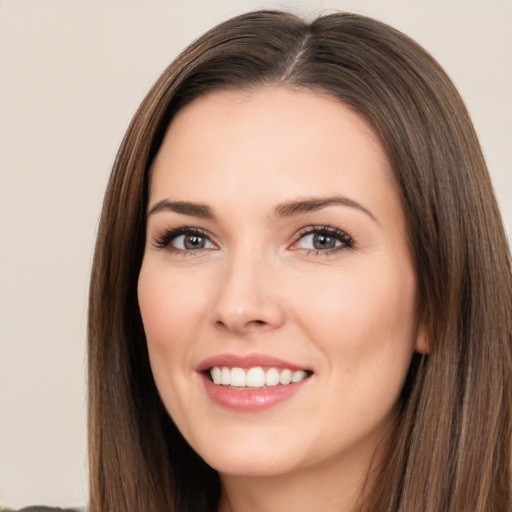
[(423, 337)]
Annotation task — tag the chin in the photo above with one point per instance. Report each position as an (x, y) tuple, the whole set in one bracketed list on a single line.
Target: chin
[(257, 468), (254, 459)]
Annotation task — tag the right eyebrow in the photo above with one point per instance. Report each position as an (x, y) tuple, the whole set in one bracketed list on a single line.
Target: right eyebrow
[(183, 207)]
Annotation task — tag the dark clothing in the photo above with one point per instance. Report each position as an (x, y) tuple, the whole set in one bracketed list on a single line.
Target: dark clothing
[(41, 509)]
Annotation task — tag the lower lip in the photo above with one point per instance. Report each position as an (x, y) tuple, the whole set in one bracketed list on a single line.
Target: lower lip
[(248, 399)]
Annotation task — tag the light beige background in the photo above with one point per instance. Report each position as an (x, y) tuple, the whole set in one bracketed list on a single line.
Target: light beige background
[(71, 76)]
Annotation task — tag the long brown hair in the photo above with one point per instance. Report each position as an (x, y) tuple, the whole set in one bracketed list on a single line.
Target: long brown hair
[(450, 451)]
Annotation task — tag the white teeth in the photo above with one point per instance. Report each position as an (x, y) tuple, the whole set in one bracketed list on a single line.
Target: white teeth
[(298, 376), (225, 377), (272, 377), (255, 377), (237, 377), (216, 375), (285, 377)]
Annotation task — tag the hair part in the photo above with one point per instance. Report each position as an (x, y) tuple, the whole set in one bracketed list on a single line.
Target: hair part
[(450, 450)]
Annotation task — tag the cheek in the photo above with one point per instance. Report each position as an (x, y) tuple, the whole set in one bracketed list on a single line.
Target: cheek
[(168, 307), (362, 316), (170, 311), (365, 326)]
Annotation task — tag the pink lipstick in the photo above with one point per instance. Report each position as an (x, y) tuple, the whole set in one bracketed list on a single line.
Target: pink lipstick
[(253, 382)]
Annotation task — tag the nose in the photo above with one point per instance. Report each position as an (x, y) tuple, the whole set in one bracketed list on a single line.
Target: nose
[(247, 300)]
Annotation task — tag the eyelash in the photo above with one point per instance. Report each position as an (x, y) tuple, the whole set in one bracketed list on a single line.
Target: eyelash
[(163, 241), (346, 241)]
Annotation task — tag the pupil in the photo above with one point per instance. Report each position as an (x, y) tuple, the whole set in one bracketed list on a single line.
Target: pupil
[(194, 242), (323, 242)]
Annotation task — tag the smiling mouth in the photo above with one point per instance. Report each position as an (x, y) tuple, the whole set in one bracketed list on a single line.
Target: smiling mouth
[(256, 377)]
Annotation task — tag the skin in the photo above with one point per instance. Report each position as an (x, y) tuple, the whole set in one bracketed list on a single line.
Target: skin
[(259, 285)]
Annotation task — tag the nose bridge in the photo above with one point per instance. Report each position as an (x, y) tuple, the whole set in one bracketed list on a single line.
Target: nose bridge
[(246, 300)]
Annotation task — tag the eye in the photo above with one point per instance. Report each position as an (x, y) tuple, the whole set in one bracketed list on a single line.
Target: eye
[(323, 239), (184, 239), (191, 242)]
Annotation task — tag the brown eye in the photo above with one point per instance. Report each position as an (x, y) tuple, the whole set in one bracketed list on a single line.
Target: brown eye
[(191, 242)]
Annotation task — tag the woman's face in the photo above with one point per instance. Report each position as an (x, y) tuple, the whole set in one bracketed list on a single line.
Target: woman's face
[(276, 250)]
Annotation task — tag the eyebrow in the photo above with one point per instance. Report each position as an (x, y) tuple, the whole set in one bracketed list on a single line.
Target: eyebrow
[(306, 205), (183, 207), (284, 210)]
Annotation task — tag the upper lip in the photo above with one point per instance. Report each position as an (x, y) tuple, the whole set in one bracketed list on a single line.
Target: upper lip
[(247, 361)]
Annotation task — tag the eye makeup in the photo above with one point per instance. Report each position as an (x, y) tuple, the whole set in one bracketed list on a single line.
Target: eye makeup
[(314, 240), (322, 239), (183, 240)]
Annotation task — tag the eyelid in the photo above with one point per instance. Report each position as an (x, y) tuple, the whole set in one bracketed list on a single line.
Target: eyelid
[(347, 241), (163, 239)]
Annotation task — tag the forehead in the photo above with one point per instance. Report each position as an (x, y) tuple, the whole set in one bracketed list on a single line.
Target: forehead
[(273, 138)]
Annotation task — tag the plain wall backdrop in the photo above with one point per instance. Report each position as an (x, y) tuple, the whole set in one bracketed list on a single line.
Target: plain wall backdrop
[(71, 76)]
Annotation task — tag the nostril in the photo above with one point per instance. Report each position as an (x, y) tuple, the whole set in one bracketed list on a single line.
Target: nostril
[(256, 323), (258, 316), (235, 325)]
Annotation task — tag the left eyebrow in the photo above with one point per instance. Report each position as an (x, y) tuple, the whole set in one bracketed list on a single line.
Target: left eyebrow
[(290, 208)]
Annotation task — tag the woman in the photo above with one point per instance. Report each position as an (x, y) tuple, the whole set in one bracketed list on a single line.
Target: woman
[(301, 292)]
